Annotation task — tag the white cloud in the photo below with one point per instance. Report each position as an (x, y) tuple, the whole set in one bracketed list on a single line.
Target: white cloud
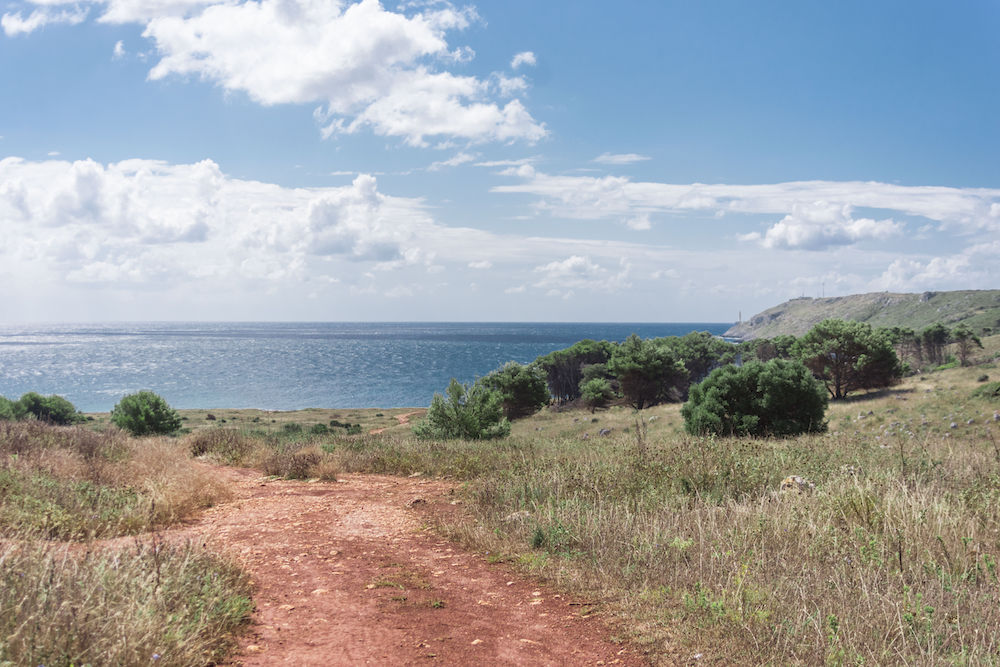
[(119, 51), (975, 265), (368, 67), (16, 24), (576, 272), (815, 214), (507, 163), (620, 158), (483, 264), (523, 58), (821, 224), (454, 161)]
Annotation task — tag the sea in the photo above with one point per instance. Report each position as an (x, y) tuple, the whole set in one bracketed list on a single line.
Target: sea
[(281, 366)]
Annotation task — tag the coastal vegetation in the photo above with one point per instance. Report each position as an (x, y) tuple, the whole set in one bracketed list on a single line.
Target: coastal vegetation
[(773, 398), (886, 552), (62, 604), (145, 413), (789, 528)]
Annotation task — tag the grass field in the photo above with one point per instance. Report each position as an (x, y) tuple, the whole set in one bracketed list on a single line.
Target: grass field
[(890, 558)]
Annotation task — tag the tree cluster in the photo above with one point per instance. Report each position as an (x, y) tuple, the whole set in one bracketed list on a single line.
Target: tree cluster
[(50, 409)]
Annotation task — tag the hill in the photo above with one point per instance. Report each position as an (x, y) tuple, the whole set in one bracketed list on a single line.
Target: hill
[(979, 309)]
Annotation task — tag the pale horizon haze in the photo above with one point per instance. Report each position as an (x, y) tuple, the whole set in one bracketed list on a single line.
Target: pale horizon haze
[(585, 161)]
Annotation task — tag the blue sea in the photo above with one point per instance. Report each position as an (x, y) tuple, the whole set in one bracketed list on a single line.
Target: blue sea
[(280, 366)]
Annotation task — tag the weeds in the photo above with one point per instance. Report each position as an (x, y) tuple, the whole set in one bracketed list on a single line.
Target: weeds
[(152, 603)]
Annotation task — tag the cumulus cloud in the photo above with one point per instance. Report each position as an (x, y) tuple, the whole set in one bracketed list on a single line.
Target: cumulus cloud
[(975, 265), (822, 224), (17, 24), (562, 277), (620, 158), (524, 58), (145, 221), (815, 214), (367, 66)]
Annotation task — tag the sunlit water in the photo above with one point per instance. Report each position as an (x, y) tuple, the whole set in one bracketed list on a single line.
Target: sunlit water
[(279, 366)]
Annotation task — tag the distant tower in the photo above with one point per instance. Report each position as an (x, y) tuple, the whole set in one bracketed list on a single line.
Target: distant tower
[(741, 317)]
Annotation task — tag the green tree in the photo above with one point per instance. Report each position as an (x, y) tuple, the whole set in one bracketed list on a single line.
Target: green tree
[(646, 371), (848, 356), (776, 398), (700, 352), (564, 368), (933, 340), (522, 388), (145, 413), (51, 409), (965, 340), (6, 409), (596, 393), (469, 413), (765, 349)]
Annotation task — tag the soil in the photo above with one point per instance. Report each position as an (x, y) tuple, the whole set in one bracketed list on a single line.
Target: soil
[(347, 572)]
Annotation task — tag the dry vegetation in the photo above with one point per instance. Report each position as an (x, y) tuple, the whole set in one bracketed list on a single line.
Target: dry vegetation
[(891, 558), (69, 604)]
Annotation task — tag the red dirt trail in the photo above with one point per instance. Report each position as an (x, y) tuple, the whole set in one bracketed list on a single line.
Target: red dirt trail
[(345, 574)]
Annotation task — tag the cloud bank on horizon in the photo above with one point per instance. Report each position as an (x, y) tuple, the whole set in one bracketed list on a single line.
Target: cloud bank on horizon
[(491, 172)]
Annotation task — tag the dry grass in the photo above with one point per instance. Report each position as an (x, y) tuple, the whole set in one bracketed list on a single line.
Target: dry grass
[(75, 483), (148, 604)]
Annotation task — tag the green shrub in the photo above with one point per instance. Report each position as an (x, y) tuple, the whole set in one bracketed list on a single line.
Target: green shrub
[(50, 409), (471, 413), (319, 429), (596, 393), (777, 398), (522, 389), (988, 391), (6, 409), (145, 413)]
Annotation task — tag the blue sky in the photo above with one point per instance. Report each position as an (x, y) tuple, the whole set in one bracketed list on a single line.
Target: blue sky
[(563, 161)]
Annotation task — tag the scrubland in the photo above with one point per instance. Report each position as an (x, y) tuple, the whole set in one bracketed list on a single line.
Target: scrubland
[(890, 557)]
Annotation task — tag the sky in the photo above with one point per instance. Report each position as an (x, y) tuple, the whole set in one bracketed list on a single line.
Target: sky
[(581, 161)]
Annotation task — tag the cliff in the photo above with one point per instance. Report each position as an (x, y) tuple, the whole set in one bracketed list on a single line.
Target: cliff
[(979, 309)]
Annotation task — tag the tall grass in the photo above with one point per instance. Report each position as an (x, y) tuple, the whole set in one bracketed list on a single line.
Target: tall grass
[(148, 604), (74, 483), (891, 559)]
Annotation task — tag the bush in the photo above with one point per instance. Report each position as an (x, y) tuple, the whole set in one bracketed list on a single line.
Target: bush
[(776, 398), (50, 409), (990, 391), (145, 413), (6, 409), (596, 393), (522, 389), (471, 413)]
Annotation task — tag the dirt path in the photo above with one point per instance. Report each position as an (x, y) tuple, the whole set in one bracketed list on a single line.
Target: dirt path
[(345, 574)]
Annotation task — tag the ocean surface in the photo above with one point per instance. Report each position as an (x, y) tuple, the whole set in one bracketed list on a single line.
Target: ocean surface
[(280, 366)]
